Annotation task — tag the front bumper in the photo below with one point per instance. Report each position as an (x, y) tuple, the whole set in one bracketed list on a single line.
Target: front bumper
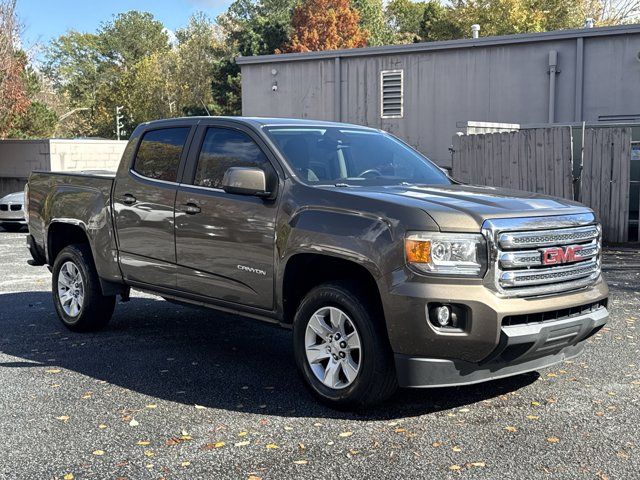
[(522, 348)]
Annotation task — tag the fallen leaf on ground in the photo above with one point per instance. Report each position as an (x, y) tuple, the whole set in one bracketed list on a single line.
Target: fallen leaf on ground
[(68, 476), (242, 444), (98, 452), (53, 370), (63, 418), (533, 417), (454, 467), (200, 407), (553, 439), (211, 446), (511, 429), (102, 426), (271, 446), (185, 464), (456, 448), (143, 443), (300, 462), (152, 406), (149, 453), (242, 434), (477, 464), (345, 434), (133, 423)]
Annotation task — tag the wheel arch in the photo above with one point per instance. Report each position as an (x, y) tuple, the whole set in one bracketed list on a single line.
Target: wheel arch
[(297, 280)]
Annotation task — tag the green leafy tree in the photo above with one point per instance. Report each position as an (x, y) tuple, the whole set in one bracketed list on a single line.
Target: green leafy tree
[(372, 19), (249, 28)]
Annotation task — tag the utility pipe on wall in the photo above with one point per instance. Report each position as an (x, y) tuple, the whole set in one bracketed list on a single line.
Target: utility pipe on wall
[(553, 70)]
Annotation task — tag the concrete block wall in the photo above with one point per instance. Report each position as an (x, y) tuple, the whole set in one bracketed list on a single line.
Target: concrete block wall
[(18, 158), (76, 155)]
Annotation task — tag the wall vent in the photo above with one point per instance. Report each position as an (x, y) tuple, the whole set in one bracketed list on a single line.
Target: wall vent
[(391, 93)]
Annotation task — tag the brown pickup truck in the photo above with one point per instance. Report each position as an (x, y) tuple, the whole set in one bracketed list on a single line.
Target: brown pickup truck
[(388, 272)]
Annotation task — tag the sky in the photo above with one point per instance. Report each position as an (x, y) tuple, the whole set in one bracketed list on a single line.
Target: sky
[(43, 20)]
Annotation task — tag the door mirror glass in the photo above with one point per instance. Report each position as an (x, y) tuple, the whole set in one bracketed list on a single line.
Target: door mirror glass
[(245, 181)]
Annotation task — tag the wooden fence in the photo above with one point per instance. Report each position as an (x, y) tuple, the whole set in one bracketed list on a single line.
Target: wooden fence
[(604, 183), (540, 160), (536, 160)]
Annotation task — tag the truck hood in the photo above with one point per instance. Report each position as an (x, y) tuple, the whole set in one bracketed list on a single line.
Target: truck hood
[(463, 208)]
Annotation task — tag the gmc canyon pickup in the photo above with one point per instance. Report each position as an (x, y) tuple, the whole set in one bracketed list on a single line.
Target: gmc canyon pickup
[(388, 272)]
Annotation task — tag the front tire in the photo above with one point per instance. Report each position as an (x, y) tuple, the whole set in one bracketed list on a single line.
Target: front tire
[(341, 347), (77, 294)]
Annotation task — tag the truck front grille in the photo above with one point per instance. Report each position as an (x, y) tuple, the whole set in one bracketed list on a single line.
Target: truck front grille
[(536, 261)]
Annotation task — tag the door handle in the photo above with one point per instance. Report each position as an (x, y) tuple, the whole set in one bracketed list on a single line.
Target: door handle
[(128, 199), (190, 208)]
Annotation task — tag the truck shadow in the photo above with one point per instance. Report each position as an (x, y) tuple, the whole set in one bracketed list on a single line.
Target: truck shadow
[(198, 356)]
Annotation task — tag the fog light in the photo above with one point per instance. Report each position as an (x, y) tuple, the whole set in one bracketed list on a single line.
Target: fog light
[(448, 316), (443, 315)]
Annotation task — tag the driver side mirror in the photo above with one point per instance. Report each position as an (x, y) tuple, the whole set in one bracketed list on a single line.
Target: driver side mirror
[(245, 181)]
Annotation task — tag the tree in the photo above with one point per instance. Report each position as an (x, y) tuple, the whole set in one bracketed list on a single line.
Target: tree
[(14, 99), (326, 25), (372, 19), (100, 71), (249, 28), (193, 64), (130, 37)]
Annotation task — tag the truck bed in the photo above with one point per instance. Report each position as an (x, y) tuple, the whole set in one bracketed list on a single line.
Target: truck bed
[(82, 198)]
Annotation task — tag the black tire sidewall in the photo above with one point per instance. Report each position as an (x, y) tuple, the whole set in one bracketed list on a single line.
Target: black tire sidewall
[(70, 254), (334, 296)]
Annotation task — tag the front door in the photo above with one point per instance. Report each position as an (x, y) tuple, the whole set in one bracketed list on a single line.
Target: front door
[(143, 201), (225, 242)]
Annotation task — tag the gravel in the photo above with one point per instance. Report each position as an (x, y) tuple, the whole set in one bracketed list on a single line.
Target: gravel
[(173, 392)]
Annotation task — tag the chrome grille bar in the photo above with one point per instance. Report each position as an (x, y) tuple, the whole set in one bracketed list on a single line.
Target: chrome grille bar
[(533, 258), (523, 278), (542, 238)]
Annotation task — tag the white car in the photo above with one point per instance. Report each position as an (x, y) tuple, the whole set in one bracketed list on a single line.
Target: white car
[(12, 212)]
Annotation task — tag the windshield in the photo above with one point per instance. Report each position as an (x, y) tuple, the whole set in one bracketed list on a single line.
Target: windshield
[(338, 155)]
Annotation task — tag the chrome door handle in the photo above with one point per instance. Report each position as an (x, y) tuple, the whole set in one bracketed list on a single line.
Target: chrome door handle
[(128, 199), (190, 208)]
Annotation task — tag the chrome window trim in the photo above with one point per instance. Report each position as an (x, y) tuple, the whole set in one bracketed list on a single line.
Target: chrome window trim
[(149, 179)]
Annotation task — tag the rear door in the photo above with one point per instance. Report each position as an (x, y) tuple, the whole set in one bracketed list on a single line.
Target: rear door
[(225, 243), (143, 200)]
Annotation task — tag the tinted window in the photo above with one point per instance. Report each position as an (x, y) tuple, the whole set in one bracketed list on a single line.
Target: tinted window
[(159, 153), (223, 148), (330, 155)]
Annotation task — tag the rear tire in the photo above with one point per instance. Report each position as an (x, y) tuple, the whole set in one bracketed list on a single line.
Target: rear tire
[(77, 294), (355, 373)]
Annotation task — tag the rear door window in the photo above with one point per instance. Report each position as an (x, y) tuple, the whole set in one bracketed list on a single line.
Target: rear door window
[(159, 153)]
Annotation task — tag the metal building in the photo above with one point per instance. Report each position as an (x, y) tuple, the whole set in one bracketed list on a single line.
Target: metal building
[(422, 91)]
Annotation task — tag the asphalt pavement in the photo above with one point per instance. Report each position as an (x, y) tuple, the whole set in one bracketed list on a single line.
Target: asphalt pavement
[(172, 392)]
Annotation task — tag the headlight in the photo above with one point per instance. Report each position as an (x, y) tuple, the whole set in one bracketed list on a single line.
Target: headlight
[(446, 253)]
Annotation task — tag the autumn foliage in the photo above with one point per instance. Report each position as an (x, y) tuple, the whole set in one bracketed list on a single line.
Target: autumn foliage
[(14, 99), (325, 25)]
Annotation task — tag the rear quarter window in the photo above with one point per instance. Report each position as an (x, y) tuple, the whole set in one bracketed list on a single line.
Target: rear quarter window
[(159, 153)]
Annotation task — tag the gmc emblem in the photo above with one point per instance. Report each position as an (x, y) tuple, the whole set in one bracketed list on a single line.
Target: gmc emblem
[(558, 255)]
